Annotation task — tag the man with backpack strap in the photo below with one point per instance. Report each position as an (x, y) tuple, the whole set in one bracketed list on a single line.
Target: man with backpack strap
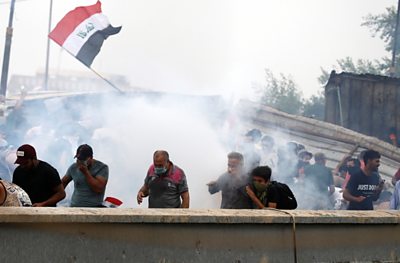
[(265, 193)]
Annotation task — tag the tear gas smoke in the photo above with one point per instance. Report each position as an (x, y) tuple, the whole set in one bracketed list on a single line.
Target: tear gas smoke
[(125, 131)]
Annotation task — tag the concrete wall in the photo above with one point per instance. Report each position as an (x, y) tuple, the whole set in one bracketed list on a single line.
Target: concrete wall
[(177, 235)]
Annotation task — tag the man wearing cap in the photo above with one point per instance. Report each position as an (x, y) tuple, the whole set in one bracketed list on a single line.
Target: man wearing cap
[(39, 179), (90, 178), (165, 184)]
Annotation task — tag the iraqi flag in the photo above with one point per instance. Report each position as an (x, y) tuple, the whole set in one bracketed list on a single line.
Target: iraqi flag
[(82, 32)]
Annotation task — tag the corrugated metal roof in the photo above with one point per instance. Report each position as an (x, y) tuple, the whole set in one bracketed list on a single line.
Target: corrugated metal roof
[(335, 77)]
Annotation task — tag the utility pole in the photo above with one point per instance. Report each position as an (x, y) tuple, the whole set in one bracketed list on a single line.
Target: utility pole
[(7, 49), (46, 73), (396, 30)]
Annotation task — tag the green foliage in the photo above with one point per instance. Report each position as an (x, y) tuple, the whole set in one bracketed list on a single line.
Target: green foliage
[(361, 66), (314, 107), (281, 93), (383, 25)]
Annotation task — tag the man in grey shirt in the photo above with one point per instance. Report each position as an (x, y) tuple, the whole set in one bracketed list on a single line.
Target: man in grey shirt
[(90, 179), (232, 184), (165, 184)]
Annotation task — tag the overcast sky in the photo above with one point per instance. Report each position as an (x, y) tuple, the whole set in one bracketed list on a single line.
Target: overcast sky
[(208, 46)]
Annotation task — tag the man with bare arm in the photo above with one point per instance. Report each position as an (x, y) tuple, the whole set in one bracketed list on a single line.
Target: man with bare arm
[(90, 178), (364, 186), (165, 184)]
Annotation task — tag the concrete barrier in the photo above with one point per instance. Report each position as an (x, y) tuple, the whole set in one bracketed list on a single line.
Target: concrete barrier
[(179, 235)]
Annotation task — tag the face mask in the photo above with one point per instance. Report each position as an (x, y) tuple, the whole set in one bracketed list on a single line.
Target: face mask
[(260, 187), (160, 170)]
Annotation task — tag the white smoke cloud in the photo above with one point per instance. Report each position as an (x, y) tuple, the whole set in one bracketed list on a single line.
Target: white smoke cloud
[(124, 131)]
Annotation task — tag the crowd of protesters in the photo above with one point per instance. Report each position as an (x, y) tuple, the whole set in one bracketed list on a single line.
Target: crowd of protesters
[(58, 135), (355, 185), (257, 161)]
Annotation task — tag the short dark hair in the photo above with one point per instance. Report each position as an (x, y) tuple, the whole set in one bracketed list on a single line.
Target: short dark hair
[(236, 155), (303, 153), (319, 157), (255, 134), (262, 171), (370, 155), (163, 153), (361, 155)]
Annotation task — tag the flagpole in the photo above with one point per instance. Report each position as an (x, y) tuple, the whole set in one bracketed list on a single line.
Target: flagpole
[(106, 80), (81, 14), (393, 71), (46, 72), (98, 74), (7, 50)]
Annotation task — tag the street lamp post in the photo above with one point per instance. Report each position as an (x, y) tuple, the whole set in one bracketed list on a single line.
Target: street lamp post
[(46, 73), (396, 30), (7, 49)]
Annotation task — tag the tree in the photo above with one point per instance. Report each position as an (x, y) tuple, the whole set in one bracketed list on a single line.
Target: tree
[(281, 93), (314, 107), (383, 25), (361, 66)]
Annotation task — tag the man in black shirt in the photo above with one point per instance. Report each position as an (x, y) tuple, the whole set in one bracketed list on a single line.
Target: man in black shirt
[(364, 186), (260, 191), (39, 179)]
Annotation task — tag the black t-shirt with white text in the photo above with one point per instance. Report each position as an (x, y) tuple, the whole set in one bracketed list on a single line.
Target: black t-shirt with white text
[(362, 185), (39, 182)]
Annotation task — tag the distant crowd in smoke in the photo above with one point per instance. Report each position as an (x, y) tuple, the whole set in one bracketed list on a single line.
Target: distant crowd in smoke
[(124, 131), (315, 185)]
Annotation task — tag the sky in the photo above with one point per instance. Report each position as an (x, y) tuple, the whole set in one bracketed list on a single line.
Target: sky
[(204, 47)]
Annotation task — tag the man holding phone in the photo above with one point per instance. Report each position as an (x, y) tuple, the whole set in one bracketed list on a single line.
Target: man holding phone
[(365, 186), (90, 178)]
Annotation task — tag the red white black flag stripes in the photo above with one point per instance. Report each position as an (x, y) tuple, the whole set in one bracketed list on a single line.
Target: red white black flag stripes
[(82, 32)]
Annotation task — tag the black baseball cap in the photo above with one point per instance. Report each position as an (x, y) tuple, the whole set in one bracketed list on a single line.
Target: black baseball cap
[(83, 152)]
